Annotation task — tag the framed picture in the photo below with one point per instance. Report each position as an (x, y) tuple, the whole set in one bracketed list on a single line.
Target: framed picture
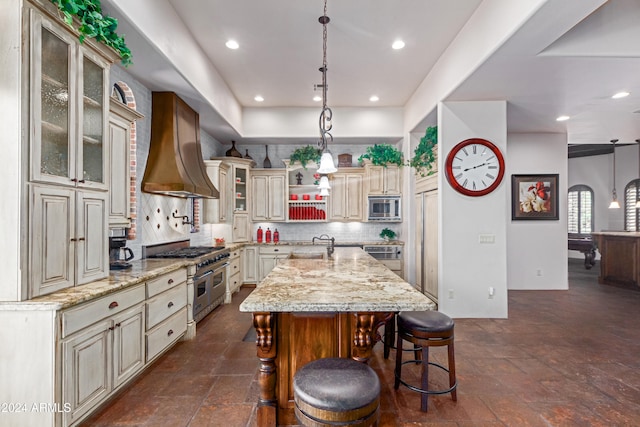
[(534, 197)]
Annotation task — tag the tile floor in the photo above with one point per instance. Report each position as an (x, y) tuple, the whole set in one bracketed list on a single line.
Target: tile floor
[(563, 358)]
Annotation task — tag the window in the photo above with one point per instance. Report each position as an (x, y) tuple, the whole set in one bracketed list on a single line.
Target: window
[(580, 206), (631, 195)]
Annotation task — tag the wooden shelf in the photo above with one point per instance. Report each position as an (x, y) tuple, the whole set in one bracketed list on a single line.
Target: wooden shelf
[(91, 140), (53, 82), (90, 102), (52, 128)]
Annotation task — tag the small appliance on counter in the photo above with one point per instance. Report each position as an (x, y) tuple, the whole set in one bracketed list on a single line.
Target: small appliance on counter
[(119, 254)]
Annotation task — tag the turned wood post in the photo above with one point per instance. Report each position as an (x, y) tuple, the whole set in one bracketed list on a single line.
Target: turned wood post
[(266, 349), (365, 333)]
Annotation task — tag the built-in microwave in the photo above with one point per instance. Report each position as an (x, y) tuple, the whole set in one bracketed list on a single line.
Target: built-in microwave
[(385, 208)]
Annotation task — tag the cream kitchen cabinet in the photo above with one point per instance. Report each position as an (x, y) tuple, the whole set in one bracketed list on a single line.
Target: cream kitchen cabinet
[(69, 244), (240, 227), (383, 180), (219, 211), (250, 264), (426, 214), (269, 256), (347, 196), (103, 349), (68, 105), (234, 279), (268, 195), (121, 122)]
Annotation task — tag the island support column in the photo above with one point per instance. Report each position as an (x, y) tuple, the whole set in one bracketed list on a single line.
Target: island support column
[(265, 324), (366, 334)]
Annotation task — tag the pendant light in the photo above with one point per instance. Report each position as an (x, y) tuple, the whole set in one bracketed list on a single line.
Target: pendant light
[(637, 206), (327, 164), (614, 199)]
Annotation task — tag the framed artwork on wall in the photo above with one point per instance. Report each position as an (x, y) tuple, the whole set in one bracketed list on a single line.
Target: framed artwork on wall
[(534, 197)]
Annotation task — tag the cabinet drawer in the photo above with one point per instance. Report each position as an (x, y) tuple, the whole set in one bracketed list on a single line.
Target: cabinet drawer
[(275, 250), (234, 254), (234, 267), (165, 304), (166, 281), (84, 315), (234, 283), (166, 333), (392, 264)]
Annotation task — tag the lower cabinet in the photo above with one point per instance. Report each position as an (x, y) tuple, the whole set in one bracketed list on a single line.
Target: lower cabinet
[(233, 275), (250, 264), (269, 256), (101, 357)]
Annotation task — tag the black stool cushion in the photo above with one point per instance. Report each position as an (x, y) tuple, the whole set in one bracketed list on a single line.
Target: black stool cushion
[(336, 384), (425, 321)]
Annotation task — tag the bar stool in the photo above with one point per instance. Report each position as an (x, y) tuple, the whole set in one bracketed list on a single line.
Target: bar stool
[(426, 329), (336, 392)]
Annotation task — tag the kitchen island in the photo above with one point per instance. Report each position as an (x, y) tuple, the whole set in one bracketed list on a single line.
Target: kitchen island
[(619, 258), (307, 309)]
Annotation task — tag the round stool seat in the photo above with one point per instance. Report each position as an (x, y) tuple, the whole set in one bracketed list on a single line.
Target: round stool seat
[(336, 391), (425, 321)]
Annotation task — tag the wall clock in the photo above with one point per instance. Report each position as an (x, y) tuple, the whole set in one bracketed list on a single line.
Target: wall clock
[(474, 167)]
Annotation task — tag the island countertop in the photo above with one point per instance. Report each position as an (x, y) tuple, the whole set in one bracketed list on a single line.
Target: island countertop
[(351, 280)]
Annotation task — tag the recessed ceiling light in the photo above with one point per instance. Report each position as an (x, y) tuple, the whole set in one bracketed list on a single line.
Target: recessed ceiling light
[(620, 95), (232, 44), (258, 98), (374, 98), (398, 44), (562, 118), (317, 98)]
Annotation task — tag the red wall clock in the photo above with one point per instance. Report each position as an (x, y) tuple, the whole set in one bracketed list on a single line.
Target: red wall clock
[(474, 167)]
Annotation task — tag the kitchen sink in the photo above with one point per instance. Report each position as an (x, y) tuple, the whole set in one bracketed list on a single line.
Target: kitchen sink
[(308, 255)]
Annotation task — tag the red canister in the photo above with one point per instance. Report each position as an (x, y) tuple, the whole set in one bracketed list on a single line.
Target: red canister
[(276, 236), (259, 237), (267, 236)]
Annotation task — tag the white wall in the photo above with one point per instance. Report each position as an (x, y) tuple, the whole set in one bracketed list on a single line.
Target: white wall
[(537, 250), (467, 268)]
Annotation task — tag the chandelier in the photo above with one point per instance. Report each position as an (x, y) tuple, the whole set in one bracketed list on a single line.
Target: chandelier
[(327, 165)]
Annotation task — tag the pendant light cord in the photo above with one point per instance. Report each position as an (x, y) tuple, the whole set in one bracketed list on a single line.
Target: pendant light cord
[(326, 114)]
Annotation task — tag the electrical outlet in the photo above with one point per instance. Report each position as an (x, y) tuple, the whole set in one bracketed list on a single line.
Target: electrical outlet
[(487, 238), (492, 291), (539, 272), (450, 293)]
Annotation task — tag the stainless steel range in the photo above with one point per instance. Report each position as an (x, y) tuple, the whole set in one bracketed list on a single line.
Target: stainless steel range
[(210, 278)]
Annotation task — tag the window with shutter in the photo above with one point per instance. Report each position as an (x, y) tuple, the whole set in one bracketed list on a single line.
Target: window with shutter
[(580, 207), (631, 196)]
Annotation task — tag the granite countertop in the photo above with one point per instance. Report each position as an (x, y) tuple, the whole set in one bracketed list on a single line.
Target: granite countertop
[(139, 272), (338, 243), (351, 280)]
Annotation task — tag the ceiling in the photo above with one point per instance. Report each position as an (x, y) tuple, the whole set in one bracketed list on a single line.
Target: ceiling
[(561, 61)]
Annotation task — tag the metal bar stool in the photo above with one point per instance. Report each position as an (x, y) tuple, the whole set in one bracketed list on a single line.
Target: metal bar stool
[(336, 392), (426, 329)]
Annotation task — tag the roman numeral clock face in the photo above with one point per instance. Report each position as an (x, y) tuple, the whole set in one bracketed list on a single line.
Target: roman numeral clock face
[(474, 167)]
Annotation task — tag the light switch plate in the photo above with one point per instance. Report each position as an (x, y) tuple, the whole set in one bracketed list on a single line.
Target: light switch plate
[(487, 238)]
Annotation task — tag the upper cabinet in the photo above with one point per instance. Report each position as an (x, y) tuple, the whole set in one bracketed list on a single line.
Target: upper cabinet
[(218, 211), (347, 200), (121, 121), (383, 180), (304, 202), (68, 107), (268, 189)]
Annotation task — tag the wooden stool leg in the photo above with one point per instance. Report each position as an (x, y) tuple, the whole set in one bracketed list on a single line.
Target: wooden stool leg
[(389, 332), (398, 370), (425, 378), (452, 370)]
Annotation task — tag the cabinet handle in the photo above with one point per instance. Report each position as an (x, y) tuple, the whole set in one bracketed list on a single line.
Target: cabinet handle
[(113, 305), (74, 180), (118, 325), (170, 281), (276, 250), (235, 266), (80, 239), (170, 332), (170, 304), (73, 240), (81, 181), (111, 328)]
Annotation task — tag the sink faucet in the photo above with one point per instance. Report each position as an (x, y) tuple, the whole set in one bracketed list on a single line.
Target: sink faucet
[(330, 242)]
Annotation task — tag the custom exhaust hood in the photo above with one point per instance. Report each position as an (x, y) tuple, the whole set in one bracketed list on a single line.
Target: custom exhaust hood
[(175, 166)]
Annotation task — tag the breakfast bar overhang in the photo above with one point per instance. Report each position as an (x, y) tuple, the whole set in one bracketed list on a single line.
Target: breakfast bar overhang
[(307, 309)]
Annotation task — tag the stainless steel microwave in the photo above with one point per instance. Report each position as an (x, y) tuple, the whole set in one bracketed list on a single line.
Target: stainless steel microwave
[(385, 208)]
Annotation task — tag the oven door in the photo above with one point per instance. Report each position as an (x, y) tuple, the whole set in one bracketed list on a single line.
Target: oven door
[(202, 291), (218, 285)]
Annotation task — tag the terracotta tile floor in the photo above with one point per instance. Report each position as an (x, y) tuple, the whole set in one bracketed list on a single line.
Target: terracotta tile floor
[(563, 358)]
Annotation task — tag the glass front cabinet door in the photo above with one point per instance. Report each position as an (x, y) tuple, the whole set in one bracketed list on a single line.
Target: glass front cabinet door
[(67, 108)]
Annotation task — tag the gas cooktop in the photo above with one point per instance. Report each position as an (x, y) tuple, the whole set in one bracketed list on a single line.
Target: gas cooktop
[(189, 252)]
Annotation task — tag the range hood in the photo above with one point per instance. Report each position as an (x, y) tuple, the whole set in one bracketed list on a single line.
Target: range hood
[(175, 166)]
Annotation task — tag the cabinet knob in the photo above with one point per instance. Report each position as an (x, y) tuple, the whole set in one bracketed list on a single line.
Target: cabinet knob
[(111, 328), (74, 180), (113, 305), (170, 304), (117, 325), (81, 181), (170, 281), (170, 332)]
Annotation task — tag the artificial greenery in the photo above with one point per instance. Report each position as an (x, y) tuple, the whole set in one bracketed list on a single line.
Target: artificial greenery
[(424, 156), (94, 24), (383, 155), (387, 234), (305, 154)]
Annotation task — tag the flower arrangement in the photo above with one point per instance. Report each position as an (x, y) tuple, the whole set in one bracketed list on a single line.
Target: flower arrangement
[(535, 198), (316, 177)]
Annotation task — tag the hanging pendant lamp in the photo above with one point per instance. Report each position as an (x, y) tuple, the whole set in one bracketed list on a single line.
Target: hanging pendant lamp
[(614, 196), (637, 206)]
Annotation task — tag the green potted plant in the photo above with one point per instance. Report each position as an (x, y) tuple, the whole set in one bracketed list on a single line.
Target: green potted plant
[(383, 155), (94, 24), (304, 155), (424, 156), (387, 234)]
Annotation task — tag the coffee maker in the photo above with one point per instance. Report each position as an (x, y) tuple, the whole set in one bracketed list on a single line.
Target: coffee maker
[(119, 254)]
